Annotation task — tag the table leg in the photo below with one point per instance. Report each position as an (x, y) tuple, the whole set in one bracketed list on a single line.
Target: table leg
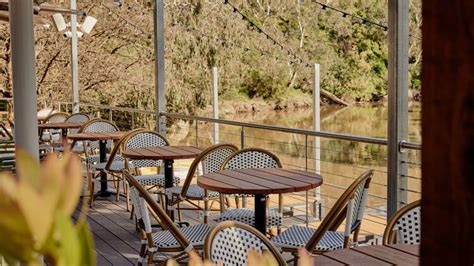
[(64, 137), (261, 213), (169, 183), (103, 176)]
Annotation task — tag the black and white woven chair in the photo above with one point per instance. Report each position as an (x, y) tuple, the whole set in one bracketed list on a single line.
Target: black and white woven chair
[(75, 118), (350, 206), (210, 160), (92, 147), (404, 226), (114, 166), (171, 239), (252, 158), (147, 139), (52, 136), (230, 242)]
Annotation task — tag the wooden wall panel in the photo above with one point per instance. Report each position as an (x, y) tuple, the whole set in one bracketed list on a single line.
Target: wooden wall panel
[(448, 133)]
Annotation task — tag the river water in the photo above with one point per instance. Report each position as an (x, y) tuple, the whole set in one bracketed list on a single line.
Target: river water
[(341, 161)]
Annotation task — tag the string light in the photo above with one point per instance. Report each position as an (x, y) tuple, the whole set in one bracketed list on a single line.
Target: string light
[(362, 20), (127, 23), (254, 26)]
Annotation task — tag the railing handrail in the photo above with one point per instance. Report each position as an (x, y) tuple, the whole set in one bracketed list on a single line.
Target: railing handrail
[(323, 134)]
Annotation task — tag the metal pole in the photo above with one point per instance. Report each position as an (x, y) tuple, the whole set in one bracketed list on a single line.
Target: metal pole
[(74, 59), (317, 122), (215, 90), (24, 76), (397, 102), (160, 91)]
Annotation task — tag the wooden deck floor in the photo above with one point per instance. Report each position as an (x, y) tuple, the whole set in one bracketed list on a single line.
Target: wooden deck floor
[(117, 242)]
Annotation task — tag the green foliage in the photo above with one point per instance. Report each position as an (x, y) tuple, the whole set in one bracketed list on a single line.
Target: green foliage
[(117, 58)]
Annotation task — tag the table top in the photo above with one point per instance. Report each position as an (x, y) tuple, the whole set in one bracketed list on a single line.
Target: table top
[(60, 125), (260, 181), (371, 255), (98, 135), (163, 152)]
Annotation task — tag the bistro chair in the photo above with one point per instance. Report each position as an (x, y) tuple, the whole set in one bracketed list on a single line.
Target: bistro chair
[(114, 166), (350, 206), (171, 239), (404, 226), (230, 242), (89, 149), (52, 135), (252, 158), (77, 118), (147, 139), (74, 118), (211, 160)]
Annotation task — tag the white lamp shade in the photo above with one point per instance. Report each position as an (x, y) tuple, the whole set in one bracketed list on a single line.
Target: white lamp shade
[(59, 22), (88, 24)]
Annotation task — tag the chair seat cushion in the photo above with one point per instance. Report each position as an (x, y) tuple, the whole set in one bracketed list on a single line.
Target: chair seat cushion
[(155, 180), (95, 158), (196, 234), (115, 166), (194, 191), (75, 149), (299, 236), (247, 216)]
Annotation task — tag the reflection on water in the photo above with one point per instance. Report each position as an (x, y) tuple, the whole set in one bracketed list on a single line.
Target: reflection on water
[(341, 161)]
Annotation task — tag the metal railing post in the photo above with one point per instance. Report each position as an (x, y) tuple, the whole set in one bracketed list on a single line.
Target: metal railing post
[(317, 123), (397, 102), (215, 103), (133, 120), (242, 138), (197, 133)]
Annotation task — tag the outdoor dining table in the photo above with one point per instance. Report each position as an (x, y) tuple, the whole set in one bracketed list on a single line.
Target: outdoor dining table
[(168, 154), (102, 137), (260, 182), (371, 255), (64, 126)]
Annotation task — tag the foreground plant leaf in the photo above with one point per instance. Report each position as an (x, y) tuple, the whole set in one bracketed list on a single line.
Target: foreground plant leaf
[(39, 202)]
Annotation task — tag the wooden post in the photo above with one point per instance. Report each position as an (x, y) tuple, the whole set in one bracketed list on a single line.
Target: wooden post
[(448, 131)]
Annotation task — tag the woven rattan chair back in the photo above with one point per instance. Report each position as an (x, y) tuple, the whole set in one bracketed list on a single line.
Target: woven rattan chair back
[(252, 158), (230, 242), (141, 198), (98, 125), (77, 118), (404, 226), (349, 206), (116, 153), (56, 118), (211, 160), (145, 139)]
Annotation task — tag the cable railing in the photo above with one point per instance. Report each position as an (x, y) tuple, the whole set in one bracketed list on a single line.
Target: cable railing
[(339, 164)]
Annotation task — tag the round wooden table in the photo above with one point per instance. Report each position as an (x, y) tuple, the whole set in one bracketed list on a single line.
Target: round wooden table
[(64, 126), (102, 137), (260, 182), (371, 255), (166, 153)]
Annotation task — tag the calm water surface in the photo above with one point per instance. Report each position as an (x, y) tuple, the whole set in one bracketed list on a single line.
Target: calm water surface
[(341, 161)]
